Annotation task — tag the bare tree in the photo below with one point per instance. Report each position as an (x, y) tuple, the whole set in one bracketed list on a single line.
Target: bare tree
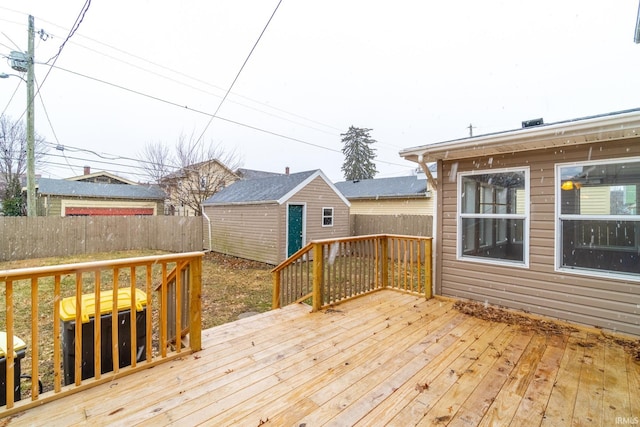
[(13, 163), (192, 174), (156, 161)]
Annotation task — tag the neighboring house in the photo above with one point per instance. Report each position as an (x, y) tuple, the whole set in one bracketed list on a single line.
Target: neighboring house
[(405, 195), (75, 197), (188, 187), (101, 177), (543, 219), (268, 219)]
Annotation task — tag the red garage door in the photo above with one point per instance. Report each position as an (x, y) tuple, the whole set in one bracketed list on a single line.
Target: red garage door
[(70, 211)]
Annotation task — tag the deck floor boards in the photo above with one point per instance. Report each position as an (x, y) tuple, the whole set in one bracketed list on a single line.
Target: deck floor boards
[(386, 358)]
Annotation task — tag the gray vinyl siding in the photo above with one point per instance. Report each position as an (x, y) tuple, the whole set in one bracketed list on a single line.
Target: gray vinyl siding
[(317, 195), (248, 231), (610, 303), (258, 231)]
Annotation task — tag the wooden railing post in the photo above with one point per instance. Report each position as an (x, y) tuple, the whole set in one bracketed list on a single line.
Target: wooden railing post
[(318, 268), (195, 304), (275, 299), (384, 254), (428, 268)]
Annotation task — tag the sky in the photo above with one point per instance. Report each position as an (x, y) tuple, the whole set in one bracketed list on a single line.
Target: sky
[(414, 72)]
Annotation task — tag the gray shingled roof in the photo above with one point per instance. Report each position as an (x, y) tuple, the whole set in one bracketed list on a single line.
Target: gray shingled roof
[(270, 189), (255, 174), (404, 186), (62, 187)]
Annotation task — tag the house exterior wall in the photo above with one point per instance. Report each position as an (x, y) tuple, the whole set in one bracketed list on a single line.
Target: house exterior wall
[(250, 231), (186, 186), (610, 303), (421, 206)]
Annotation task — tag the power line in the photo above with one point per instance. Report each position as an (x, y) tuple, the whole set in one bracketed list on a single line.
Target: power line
[(146, 70), (238, 74), (175, 104), (73, 30), (11, 99), (182, 74)]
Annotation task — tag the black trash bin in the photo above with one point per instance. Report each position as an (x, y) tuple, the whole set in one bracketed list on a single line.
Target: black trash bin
[(20, 350), (68, 318)]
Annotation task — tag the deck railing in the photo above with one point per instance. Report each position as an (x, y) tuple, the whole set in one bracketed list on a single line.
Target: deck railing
[(129, 309), (325, 272)]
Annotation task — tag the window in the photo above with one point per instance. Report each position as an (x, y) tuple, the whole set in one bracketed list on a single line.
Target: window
[(598, 222), (493, 216), (327, 217)]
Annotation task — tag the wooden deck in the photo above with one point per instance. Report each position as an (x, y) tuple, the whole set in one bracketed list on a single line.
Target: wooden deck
[(387, 358)]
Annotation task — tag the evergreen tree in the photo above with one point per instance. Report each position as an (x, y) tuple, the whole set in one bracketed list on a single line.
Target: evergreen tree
[(358, 154)]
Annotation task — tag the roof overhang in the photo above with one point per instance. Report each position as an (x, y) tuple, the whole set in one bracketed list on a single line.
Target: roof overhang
[(615, 126)]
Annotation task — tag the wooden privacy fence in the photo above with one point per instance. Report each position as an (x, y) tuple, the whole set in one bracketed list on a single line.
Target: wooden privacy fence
[(37, 237), (328, 271), (406, 225), (92, 322)]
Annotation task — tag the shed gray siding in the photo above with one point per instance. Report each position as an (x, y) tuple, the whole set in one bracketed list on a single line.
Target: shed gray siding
[(609, 303), (317, 195), (258, 231), (249, 231)]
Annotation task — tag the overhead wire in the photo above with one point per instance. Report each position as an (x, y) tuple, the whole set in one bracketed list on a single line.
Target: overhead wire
[(55, 135), (182, 83), (175, 104), (9, 38), (11, 98), (184, 75), (79, 20), (73, 30), (238, 74), (211, 116)]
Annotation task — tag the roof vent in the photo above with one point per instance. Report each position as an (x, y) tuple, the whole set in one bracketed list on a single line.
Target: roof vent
[(533, 122)]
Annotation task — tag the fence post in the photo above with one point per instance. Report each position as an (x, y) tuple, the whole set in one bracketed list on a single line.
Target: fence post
[(195, 320), (318, 268)]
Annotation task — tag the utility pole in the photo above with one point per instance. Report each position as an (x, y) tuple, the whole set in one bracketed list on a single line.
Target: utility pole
[(31, 162)]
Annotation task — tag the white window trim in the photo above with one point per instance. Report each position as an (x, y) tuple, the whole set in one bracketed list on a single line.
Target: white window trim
[(526, 217), (581, 271), (333, 216)]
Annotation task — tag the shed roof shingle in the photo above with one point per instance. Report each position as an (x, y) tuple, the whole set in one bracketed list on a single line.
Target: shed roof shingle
[(270, 189)]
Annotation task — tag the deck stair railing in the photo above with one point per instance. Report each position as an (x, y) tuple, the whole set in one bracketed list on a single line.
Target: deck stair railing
[(325, 272), (126, 325)]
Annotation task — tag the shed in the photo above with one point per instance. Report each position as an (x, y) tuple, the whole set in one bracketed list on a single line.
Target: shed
[(543, 219), (61, 197), (268, 219)]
